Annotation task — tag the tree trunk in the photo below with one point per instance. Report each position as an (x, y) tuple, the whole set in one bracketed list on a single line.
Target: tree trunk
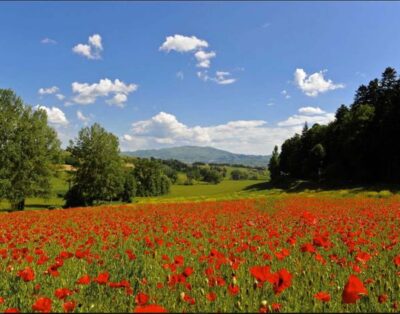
[(18, 205), (21, 204)]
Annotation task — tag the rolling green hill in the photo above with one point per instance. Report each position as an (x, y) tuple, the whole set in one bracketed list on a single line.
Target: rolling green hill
[(191, 154)]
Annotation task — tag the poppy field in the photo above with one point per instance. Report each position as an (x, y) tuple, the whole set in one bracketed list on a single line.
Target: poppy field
[(308, 254)]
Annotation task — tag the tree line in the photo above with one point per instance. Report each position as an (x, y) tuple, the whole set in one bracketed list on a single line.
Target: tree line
[(361, 144), (30, 152)]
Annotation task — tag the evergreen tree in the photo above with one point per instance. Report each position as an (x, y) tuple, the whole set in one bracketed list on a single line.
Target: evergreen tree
[(350, 148), (273, 165)]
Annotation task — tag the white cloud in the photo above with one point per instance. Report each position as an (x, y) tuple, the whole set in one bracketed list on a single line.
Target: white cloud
[(203, 76), (48, 90), (95, 41), (203, 58), (221, 77), (119, 100), (60, 96), (311, 110), (285, 94), (48, 41), (180, 75), (92, 50), (81, 117), (243, 136), (310, 115), (315, 83), (181, 43), (84, 50), (88, 93), (54, 115)]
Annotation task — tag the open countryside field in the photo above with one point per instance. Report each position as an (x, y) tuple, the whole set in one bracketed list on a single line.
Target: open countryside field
[(199, 190), (291, 254)]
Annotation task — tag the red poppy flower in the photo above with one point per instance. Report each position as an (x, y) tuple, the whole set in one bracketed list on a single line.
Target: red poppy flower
[(353, 290), (69, 306), (323, 296), (262, 273), (363, 257), (276, 307), (102, 278), (233, 289), (84, 280), (12, 310), (42, 305), (178, 260), (308, 247), (397, 260), (211, 296), (141, 298), (188, 271), (62, 293), (151, 308), (1, 300), (27, 274), (383, 298), (283, 280), (189, 299)]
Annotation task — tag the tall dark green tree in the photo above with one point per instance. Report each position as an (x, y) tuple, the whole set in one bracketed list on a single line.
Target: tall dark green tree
[(360, 145), (273, 165), (28, 150), (99, 176)]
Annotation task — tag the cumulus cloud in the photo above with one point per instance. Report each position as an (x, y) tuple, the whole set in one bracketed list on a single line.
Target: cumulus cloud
[(88, 93), (203, 58), (92, 50), (181, 43), (315, 83), (54, 115), (48, 90), (95, 41), (48, 41), (296, 120), (311, 115), (311, 110), (184, 44), (242, 136)]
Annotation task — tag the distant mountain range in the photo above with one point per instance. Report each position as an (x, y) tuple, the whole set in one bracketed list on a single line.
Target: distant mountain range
[(191, 154)]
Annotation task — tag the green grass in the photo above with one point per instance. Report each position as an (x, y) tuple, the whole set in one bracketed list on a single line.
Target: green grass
[(59, 187), (226, 186), (226, 190)]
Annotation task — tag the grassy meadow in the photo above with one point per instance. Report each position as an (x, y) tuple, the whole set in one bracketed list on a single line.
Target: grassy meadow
[(226, 190)]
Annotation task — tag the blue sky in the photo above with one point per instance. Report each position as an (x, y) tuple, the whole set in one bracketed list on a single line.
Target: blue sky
[(232, 75)]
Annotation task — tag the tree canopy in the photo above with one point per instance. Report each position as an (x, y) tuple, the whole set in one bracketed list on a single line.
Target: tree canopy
[(28, 150), (360, 145), (99, 176)]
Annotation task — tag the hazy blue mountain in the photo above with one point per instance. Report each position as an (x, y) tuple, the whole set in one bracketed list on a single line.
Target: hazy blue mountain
[(190, 154)]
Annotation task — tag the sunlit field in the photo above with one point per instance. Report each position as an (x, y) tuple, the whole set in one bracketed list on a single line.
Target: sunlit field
[(291, 254)]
